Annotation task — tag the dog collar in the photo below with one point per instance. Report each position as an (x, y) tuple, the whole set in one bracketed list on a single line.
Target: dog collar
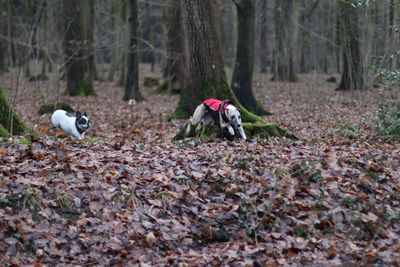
[(222, 109), (79, 129)]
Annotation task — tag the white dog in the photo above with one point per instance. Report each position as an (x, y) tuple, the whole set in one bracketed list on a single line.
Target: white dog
[(223, 113), (74, 126)]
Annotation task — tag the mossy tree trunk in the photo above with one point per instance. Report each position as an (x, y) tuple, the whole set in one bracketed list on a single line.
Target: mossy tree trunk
[(78, 47), (353, 68), (203, 62), (204, 75), (286, 28), (10, 122), (132, 75), (242, 77)]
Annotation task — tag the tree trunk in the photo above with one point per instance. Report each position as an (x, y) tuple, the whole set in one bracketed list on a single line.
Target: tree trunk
[(286, 27), (2, 46), (132, 76), (353, 69), (10, 35), (78, 48), (174, 45), (88, 27), (265, 64), (204, 69), (242, 77), (228, 27), (10, 122), (203, 61)]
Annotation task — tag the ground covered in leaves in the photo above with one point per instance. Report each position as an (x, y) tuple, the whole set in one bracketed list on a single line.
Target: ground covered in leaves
[(127, 195)]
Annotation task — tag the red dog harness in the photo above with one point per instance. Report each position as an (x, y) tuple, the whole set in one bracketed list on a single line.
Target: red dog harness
[(215, 106)]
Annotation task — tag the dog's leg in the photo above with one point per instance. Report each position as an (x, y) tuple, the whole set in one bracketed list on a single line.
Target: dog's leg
[(230, 129), (195, 119), (242, 133)]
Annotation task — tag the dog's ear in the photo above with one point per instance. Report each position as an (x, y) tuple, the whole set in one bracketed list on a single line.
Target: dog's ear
[(78, 114), (84, 114)]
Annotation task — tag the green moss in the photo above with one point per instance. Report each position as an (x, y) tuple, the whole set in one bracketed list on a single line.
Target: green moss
[(163, 88), (82, 90), (264, 130), (3, 132), (183, 111), (261, 111), (260, 130), (7, 119)]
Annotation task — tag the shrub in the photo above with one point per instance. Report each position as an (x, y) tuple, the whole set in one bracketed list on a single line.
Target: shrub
[(387, 124)]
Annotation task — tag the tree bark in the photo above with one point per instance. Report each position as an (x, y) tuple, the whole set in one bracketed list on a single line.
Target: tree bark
[(2, 33), (10, 122), (286, 28), (229, 32), (78, 49), (265, 64), (203, 61), (174, 47), (353, 69), (132, 76), (242, 77)]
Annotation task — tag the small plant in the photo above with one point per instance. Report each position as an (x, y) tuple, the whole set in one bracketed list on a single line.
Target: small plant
[(387, 124), (64, 201), (32, 198), (127, 195), (301, 230), (347, 131)]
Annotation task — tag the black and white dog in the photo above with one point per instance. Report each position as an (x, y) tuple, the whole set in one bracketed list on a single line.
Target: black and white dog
[(74, 126), (223, 113)]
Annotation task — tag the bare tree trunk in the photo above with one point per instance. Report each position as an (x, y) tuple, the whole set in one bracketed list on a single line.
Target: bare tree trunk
[(10, 36), (392, 30), (132, 76), (77, 49), (242, 77), (228, 26), (2, 46), (353, 69), (265, 64), (88, 26), (286, 27), (174, 44)]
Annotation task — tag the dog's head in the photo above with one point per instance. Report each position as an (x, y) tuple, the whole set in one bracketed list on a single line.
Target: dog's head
[(233, 115), (82, 120)]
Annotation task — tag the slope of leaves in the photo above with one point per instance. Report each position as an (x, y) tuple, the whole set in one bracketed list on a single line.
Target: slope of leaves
[(126, 195)]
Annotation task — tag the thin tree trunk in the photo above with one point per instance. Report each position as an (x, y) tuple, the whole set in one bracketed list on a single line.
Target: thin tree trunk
[(174, 46), (242, 77), (353, 69), (228, 26), (265, 64), (286, 27), (10, 36), (132, 76)]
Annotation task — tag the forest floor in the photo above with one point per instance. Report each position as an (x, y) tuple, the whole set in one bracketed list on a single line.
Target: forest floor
[(127, 195)]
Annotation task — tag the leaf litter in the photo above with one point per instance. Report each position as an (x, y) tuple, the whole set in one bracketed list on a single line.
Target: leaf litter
[(127, 195)]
